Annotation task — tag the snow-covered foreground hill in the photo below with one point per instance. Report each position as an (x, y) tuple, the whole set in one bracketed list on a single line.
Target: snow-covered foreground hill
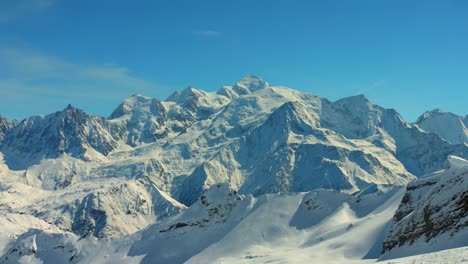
[(224, 227), (252, 173)]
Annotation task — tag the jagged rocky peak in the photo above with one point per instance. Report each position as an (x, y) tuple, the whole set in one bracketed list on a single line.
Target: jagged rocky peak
[(5, 126), (68, 131), (71, 112), (448, 126)]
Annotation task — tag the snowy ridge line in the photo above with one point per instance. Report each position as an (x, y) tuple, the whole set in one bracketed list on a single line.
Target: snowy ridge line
[(200, 169)]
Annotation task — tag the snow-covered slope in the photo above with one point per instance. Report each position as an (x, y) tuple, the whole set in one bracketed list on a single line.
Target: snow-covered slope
[(320, 226), (100, 207), (141, 119), (246, 85), (289, 152), (452, 256), (247, 151), (449, 126), (225, 227), (357, 118), (433, 214)]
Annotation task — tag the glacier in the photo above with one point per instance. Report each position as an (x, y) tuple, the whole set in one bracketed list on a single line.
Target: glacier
[(249, 173)]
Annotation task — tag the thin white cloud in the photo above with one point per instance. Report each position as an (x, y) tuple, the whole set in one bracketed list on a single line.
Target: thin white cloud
[(34, 80), (207, 33), (11, 10), (372, 87), (27, 66)]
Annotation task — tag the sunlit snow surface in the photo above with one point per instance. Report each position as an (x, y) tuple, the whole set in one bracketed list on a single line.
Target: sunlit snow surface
[(252, 173), (315, 227)]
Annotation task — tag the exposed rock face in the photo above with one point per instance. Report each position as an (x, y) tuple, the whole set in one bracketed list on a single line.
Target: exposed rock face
[(69, 131), (433, 214), (137, 203), (215, 212), (5, 127), (107, 211)]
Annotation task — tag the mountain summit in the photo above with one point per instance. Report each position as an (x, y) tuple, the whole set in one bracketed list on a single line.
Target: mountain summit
[(246, 85), (188, 178), (449, 126)]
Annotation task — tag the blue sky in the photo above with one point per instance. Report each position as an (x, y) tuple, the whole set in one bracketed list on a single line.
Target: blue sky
[(407, 55)]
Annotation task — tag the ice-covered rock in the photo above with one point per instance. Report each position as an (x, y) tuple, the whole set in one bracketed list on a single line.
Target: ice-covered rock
[(433, 214), (69, 131), (5, 126)]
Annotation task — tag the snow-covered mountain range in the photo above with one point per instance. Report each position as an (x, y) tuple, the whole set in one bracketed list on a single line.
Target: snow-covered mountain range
[(247, 173)]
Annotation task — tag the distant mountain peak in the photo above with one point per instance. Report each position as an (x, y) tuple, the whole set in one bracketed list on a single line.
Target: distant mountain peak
[(359, 98), (449, 126), (136, 102), (70, 130), (434, 112), (70, 110), (250, 78), (5, 126), (184, 95), (137, 97), (249, 84)]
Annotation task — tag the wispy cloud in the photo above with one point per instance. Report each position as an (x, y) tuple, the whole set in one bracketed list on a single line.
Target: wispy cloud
[(29, 66), (11, 10), (371, 87), (207, 33), (30, 77)]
